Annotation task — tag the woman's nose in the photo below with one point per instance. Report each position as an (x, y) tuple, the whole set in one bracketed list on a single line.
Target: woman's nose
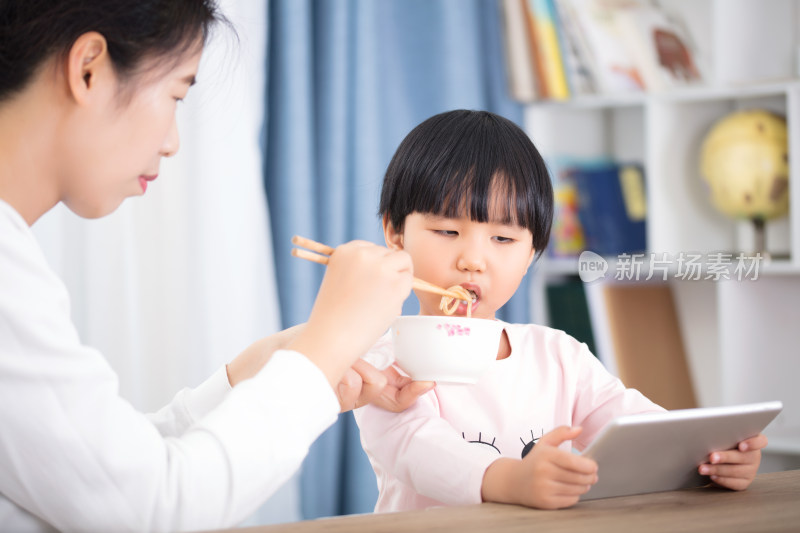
[(172, 142)]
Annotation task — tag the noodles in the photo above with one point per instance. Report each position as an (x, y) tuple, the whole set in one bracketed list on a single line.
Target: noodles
[(449, 305)]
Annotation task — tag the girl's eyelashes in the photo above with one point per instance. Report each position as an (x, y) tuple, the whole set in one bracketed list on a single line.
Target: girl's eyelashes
[(453, 233)]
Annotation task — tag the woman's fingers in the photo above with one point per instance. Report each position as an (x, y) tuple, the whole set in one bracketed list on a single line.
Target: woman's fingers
[(407, 394), (349, 390), (387, 389), (373, 382), (362, 291)]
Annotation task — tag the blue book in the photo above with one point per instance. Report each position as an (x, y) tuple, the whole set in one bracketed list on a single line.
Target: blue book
[(611, 207)]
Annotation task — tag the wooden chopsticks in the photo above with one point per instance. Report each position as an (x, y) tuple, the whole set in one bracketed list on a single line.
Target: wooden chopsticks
[(319, 254)]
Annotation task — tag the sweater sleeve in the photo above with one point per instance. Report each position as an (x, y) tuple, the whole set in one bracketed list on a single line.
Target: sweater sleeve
[(421, 450), (600, 396), (80, 457), (191, 404)]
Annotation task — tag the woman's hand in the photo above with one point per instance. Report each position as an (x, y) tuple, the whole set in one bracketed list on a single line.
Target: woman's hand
[(388, 389), (735, 469), (362, 292)]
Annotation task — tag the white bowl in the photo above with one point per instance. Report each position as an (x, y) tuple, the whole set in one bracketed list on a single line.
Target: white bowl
[(445, 348)]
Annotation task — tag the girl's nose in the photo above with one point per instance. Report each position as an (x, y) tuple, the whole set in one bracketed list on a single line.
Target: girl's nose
[(471, 262)]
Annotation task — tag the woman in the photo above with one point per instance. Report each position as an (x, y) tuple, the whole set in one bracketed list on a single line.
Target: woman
[(88, 92)]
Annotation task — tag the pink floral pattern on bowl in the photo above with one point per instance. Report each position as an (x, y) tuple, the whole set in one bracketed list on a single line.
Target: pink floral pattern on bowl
[(453, 329)]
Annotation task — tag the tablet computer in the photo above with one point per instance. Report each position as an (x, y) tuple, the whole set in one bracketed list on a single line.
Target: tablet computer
[(661, 451)]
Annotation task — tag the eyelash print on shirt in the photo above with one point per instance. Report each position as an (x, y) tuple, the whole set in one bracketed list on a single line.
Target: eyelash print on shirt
[(481, 441), (528, 446)]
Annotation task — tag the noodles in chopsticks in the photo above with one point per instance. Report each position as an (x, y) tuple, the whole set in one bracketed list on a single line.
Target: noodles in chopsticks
[(449, 305)]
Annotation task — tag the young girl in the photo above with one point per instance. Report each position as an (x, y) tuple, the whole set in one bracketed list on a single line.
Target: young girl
[(468, 196), (88, 94)]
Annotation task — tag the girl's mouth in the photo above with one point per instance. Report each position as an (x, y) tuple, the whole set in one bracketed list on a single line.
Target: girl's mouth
[(463, 307)]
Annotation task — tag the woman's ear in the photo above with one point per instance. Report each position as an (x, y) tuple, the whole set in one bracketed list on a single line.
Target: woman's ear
[(88, 63), (393, 238)]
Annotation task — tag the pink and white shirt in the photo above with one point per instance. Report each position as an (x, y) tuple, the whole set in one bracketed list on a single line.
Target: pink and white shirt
[(437, 451)]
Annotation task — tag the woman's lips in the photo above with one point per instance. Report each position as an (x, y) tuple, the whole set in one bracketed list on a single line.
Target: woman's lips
[(143, 180)]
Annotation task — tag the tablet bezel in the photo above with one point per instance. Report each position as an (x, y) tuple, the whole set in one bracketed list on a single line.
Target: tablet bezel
[(661, 451)]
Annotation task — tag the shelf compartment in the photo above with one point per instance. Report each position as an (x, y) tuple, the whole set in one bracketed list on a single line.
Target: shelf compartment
[(681, 216), (759, 344)]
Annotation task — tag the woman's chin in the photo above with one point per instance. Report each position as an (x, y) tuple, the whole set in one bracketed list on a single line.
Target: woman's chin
[(93, 210)]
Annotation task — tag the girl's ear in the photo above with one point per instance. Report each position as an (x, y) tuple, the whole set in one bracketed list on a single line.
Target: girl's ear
[(88, 63), (393, 238)]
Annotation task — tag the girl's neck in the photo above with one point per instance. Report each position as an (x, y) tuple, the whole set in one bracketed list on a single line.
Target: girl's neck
[(505, 346)]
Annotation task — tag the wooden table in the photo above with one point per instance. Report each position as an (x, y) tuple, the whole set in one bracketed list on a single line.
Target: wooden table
[(772, 503)]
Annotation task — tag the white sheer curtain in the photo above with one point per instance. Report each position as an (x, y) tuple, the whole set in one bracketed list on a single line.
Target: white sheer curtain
[(175, 284)]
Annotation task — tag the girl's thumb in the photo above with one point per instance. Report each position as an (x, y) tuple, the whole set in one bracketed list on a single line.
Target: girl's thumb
[(560, 435)]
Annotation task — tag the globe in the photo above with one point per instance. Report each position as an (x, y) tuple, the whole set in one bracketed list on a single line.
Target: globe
[(744, 160)]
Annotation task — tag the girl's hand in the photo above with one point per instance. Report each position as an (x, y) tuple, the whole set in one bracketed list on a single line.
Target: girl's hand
[(735, 469), (362, 292), (388, 389), (547, 478)]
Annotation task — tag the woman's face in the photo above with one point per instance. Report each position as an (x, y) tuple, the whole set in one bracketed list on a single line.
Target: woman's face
[(115, 144)]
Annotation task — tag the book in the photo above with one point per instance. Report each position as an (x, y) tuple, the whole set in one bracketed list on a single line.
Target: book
[(519, 57), (579, 73), (578, 47), (568, 310), (611, 207), (537, 54), (660, 46), (611, 61), (647, 341), (547, 42), (566, 235)]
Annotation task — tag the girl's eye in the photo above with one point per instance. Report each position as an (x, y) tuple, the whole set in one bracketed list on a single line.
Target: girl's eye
[(503, 239), (445, 232)]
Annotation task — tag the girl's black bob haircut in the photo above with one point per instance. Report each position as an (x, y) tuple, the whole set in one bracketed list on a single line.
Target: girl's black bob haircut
[(452, 163)]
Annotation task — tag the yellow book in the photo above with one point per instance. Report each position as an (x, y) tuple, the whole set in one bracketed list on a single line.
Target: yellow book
[(547, 39)]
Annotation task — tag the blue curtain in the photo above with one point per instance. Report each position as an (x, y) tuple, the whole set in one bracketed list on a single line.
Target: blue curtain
[(347, 80)]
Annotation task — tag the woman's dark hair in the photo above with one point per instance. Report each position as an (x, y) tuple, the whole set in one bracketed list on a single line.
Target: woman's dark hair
[(451, 164), (31, 31)]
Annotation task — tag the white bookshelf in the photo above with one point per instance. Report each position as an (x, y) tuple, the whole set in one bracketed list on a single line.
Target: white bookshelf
[(742, 337)]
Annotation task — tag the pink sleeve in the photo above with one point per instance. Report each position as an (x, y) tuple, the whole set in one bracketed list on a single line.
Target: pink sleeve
[(424, 452), (601, 397)]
